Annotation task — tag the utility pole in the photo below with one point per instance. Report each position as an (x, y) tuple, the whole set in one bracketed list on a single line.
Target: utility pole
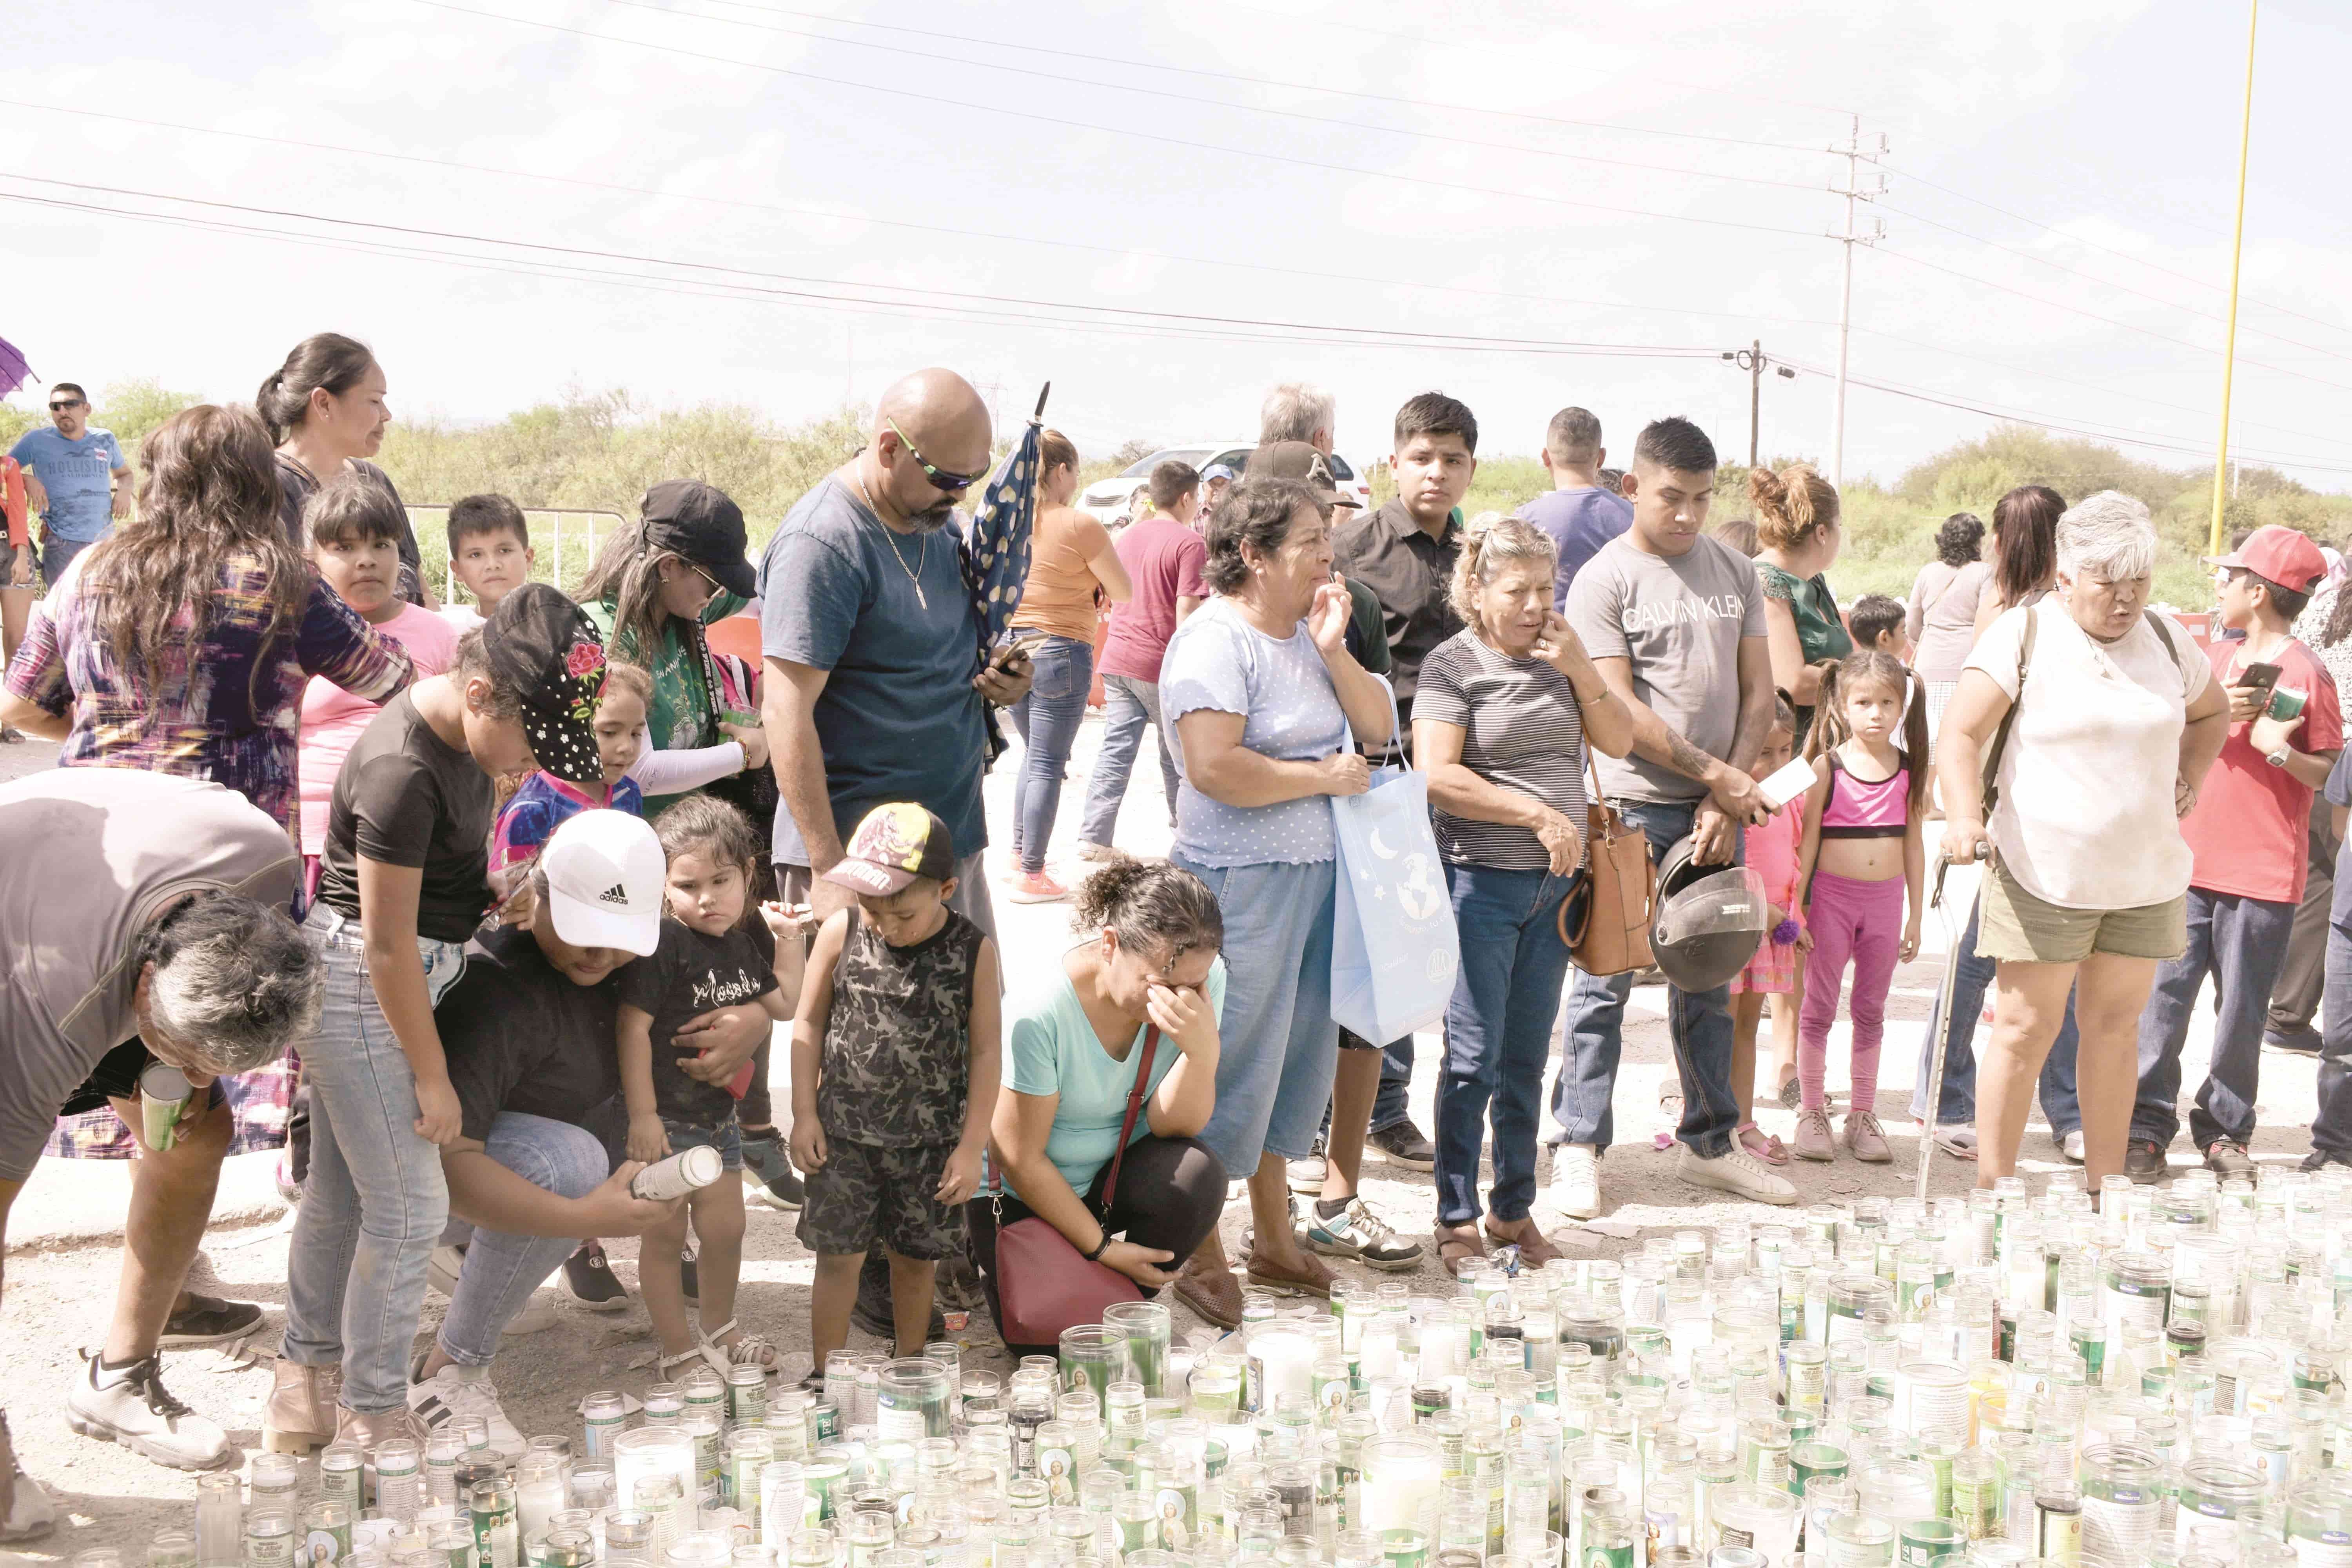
[(2237, 247), (1855, 191), (1751, 360)]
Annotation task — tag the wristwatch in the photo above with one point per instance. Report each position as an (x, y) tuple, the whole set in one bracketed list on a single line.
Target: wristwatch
[(2278, 759)]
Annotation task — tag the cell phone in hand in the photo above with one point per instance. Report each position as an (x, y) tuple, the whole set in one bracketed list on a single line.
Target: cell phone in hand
[(2259, 676), (1785, 783), (1018, 647)]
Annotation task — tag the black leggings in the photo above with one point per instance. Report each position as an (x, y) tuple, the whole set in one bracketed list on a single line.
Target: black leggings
[(1171, 1191)]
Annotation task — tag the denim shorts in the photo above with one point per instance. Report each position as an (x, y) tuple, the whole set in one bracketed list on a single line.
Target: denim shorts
[(727, 1137)]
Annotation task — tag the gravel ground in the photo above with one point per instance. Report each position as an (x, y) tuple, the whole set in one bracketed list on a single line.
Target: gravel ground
[(65, 1235)]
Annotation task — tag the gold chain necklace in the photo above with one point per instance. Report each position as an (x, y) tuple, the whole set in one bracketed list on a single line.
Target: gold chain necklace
[(922, 555)]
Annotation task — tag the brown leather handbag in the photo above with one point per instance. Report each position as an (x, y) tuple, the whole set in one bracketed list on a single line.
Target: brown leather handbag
[(1044, 1284), (1613, 937)]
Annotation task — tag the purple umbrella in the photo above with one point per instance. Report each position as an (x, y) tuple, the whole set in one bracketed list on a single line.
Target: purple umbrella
[(14, 372)]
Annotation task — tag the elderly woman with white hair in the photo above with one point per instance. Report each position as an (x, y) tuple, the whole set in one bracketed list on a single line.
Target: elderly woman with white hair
[(2099, 718)]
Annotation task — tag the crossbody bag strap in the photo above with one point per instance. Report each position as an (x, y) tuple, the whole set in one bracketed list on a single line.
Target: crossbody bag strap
[(1134, 1107)]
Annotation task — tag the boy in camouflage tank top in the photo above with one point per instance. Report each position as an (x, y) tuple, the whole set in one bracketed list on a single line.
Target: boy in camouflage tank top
[(894, 1073)]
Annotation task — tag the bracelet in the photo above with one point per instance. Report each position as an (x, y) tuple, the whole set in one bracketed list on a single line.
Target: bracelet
[(1100, 1247)]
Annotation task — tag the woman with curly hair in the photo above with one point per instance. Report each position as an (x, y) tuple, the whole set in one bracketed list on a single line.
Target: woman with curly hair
[(1797, 537)]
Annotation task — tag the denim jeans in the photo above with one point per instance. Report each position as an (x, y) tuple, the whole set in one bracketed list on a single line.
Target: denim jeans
[(1498, 1033), (1971, 978), (1591, 1031), (1274, 1073), (373, 1203), (58, 553), (1048, 721), (2241, 942), (502, 1270), (2331, 1128), (1129, 707)]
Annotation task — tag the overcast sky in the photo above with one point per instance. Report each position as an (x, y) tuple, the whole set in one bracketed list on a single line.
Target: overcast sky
[(1498, 170)]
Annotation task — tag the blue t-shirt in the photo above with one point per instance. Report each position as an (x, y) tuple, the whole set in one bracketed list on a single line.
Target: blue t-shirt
[(899, 719), (79, 476), (1580, 522), (2338, 790), (1051, 1048), (1290, 712)]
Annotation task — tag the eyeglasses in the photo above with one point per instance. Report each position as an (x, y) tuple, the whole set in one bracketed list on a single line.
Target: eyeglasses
[(69, 403), (941, 478)]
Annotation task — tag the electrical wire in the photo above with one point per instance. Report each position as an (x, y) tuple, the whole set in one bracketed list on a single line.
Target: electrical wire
[(800, 209), (1003, 307), (984, 106), (899, 51), (1166, 68)]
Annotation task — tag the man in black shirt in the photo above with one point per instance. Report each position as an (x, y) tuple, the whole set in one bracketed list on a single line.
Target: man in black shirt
[(528, 1032)]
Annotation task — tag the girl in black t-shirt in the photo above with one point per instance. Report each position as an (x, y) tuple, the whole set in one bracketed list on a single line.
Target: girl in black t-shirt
[(401, 887)]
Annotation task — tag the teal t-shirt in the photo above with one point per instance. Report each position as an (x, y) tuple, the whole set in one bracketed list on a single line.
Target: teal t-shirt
[(1054, 1050)]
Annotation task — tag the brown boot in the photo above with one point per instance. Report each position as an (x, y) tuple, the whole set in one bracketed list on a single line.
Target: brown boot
[(300, 1415)]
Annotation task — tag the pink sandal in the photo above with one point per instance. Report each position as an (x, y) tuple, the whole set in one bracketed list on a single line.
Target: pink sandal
[(1760, 1143)]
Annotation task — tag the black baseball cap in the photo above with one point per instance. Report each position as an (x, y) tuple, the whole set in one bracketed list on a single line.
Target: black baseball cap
[(701, 524), (544, 647)]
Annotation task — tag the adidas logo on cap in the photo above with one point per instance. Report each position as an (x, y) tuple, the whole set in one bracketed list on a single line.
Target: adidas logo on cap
[(615, 894)]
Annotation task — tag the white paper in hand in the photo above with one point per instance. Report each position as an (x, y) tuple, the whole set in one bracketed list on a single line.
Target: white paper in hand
[(1787, 783)]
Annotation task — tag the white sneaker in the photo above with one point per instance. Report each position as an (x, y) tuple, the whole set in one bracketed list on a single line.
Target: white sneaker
[(1737, 1172), (133, 1408), (2071, 1146), (456, 1391), (449, 1262), (1576, 1180)]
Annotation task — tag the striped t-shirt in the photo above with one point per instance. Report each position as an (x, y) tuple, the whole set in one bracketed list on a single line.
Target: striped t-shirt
[(1522, 731)]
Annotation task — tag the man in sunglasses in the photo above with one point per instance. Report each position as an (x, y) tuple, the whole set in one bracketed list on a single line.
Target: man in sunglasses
[(870, 637), (75, 476)]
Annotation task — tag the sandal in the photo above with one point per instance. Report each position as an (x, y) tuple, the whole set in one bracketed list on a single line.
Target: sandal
[(1760, 1143), (1958, 1139), (1535, 1248), (1670, 1112), (750, 1350), (1792, 1092), (1455, 1242), (705, 1352)]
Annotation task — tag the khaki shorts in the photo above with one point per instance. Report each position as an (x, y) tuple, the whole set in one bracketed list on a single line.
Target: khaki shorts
[(2019, 928)]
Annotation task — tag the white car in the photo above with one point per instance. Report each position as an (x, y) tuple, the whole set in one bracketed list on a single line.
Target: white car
[(1111, 502)]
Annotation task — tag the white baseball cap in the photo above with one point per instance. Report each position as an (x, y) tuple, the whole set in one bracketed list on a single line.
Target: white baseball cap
[(605, 873)]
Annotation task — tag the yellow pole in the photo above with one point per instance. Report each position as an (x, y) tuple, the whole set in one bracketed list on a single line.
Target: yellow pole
[(2237, 248)]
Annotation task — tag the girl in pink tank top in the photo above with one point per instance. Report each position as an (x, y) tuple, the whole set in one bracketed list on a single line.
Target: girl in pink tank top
[(1863, 861)]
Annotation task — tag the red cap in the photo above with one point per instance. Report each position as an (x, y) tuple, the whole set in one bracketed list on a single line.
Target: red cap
[(2284, 555)]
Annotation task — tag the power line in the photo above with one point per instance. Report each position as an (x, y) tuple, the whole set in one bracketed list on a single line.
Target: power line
[(809, 210), (901, 52), (983, 106), (2110, 320), (812, 288), (2073, 238)]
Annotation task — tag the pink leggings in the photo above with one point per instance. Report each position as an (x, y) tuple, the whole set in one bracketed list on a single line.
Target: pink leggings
[(1862, 921)]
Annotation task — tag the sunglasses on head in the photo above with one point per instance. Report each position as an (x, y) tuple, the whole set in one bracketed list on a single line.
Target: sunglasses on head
[(941, 478)]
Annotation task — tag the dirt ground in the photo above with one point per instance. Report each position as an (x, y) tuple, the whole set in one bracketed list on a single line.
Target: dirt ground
[(64, 1239)]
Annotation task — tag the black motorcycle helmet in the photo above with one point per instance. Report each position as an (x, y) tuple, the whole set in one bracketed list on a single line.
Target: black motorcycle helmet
[(1707, 921)]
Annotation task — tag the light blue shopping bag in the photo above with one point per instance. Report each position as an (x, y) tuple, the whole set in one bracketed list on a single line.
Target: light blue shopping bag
[(1394, 949)]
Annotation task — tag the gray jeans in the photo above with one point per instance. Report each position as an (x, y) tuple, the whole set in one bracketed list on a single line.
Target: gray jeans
[(1129, 707)]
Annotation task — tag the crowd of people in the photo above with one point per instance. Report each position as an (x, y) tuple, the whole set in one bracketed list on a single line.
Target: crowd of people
[(484, 910)]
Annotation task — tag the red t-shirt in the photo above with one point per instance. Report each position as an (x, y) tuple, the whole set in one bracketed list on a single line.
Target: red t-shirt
[(2248, 830), (1163, 560)]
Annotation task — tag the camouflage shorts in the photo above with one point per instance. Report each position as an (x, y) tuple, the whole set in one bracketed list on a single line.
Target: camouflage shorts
[(865, 1194)]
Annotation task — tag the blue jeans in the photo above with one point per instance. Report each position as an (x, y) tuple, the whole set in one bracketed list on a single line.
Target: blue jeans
[(1274, 1071), (1048, 721), (502, 1270), (1970, 980), (373, 1203), (1129, 707), (1592, 1030), (1498, 1033), (57, 554), (2241, 942), (2331, 1129)]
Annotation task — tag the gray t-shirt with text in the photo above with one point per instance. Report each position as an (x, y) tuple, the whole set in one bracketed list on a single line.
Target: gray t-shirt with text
[(1679, 620)]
